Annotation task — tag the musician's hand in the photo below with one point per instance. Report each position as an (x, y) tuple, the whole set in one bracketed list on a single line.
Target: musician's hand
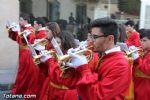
[(76, 60), (83, 45), (14, 27), (45, 56), (135, 54), (71, 50), (132, 48)]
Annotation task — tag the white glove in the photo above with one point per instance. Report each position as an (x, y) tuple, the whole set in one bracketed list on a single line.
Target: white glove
[(45, 56), (76, 60), (135, 54), (132, 48), (71, 50), (15, 27), (83, 45), (38, 46), (27, 32)]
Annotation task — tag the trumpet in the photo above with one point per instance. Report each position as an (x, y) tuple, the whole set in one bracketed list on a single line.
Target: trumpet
[(88, 53), (24, 32), (62, 60), (36, 58), (42, 42), (130, 52), (83, 49)]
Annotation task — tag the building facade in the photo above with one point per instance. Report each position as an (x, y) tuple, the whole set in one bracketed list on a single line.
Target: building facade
[(8, 48)]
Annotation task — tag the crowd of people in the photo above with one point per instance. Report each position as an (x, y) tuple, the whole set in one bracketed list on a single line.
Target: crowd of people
[(95, 69)]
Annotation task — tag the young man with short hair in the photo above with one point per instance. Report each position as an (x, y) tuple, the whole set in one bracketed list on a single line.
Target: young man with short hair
[(142, 69), (132, 34), (111, 76)]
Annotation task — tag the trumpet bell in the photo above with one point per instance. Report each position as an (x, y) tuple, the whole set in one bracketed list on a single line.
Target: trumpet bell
[(67, 58), (42, 42), (36, 58)]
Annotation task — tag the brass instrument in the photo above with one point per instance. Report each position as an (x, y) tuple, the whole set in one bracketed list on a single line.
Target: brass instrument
[(67, 58), (24, 32), (130, 52), (42, 42), (62, 59), (83, 49), (88, 53), (36, 58)]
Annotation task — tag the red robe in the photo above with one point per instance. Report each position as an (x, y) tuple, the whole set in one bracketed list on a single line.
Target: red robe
[(70, 94), (15, 36), (142, 77), (54, 93), (41, 33), (28, 79), (133, 39), (110, 81)]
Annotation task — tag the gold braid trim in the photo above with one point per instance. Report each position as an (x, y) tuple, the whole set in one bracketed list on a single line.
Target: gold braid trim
[(139, 73), (59, 86)]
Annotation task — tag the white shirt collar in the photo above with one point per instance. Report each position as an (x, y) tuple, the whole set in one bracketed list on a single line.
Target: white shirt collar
[(114, 49)]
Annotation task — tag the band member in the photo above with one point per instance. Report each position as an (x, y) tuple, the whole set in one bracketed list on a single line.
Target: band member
[(54, 27), (72, 93), (112, 75), (132, 34), (39, 25), (56, 92), (27, 80), (142, 68)]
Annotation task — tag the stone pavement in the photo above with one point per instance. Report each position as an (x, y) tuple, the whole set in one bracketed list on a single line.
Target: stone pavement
[(7, 78)]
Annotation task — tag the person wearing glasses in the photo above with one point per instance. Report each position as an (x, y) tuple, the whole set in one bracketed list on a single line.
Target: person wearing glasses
[(111, 76)]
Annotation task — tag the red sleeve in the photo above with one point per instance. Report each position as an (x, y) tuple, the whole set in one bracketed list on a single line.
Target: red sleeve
[(15, 37), (134, 39), (91, 87), (143, 64), (55, 74)]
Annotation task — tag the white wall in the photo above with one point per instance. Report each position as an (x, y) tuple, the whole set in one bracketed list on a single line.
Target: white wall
[(144, 14), (8, 49), (39, 8)]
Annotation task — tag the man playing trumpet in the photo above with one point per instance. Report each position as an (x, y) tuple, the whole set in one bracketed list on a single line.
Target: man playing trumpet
[(27, 81), (141, 68), (111, 76)]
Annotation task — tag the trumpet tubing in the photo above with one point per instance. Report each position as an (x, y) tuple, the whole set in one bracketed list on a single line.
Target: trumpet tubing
[(130, 52), (42, 42), (80, 52), (36, 58), (20, 33)]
